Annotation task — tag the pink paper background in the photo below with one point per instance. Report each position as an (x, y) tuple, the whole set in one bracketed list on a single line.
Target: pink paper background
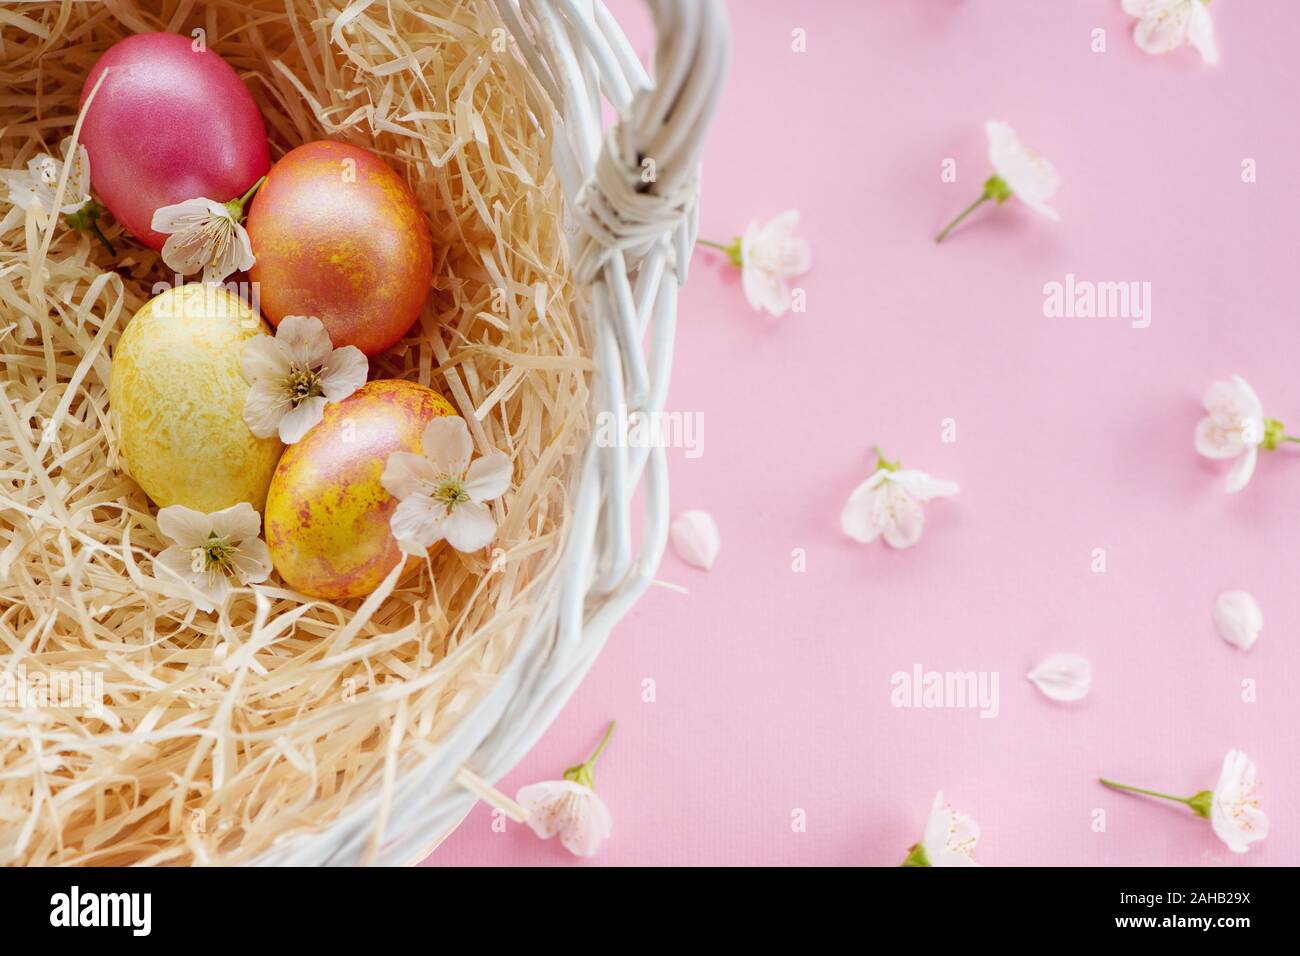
[(773, 687)]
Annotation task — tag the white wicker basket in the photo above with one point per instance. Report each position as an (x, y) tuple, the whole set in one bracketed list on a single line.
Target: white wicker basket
[(632, 243)]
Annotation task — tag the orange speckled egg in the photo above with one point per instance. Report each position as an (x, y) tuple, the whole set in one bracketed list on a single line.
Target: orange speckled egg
[(337, 234), (327, 513)]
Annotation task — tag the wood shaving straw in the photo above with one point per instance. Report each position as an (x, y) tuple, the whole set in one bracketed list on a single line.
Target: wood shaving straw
[(221, 733)]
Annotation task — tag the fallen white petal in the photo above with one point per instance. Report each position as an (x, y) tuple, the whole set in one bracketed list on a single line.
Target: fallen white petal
[(1238, 618), (696, 539), (1063, 677)]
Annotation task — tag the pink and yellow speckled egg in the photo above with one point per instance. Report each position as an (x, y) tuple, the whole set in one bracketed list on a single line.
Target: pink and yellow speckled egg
[(327, 512), (178, 395), (338, 235)]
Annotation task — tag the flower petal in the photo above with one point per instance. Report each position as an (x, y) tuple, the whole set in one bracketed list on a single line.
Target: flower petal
[(1040, 207), (304, 340), (469, 527), (1200, 34), (418, 523), (1028, 174), (950, 837), (1233, 402), (243, 249), (590, 824), (236, 523), (1234, 811), (1238, 618), (343, 372), (1213, 441), (447, 444), (765, 291), (858, 517), (1248, 400), (406, 473), (543, 801), (183, 216), (23, 192), (1242, 469), (185, 526), (263, 359), (215, 587), (1164, 29), (899, 515), (252, 561), (695, 539), (79, 179), (921, 486), (567, 809), (185, 252), (299, 420), (175, 568), (1063, 677), (776, 248), (489, 477), (264, 408), (231, 252)]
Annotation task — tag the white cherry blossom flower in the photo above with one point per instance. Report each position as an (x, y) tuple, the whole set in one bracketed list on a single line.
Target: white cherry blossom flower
[(1029, 177), (1231, 807), (768, 257), (41, 180), (1017, 171), (205, 234), (294, 374), (441, 494), (569, 808), (209, 549), (1238, 618), (889, 504), (949, 840), (1234, 428), (1165, 25), (1234, 813), (695, 539)]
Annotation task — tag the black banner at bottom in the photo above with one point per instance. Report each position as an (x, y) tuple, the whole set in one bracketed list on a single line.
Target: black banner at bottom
[(239, 907)]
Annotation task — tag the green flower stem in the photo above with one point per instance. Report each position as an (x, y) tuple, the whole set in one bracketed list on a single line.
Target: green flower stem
[(995, 188), (1150, 793), (604, 741), (236, 206), (964, 213), (582, 773), (94, 227), (1274, 433), (86, 219), (1199, 802), (732, 251)]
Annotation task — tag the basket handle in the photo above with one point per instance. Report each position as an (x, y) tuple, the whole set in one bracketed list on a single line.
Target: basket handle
[(636, 183)]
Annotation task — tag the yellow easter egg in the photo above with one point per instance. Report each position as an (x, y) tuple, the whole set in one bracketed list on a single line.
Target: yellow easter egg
[(178, 396), (327, 512)]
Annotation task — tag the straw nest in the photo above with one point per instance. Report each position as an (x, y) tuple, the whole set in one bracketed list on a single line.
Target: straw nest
[(223, 732)]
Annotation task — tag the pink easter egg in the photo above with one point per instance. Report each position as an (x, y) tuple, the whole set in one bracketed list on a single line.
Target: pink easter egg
[(170, 123)]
